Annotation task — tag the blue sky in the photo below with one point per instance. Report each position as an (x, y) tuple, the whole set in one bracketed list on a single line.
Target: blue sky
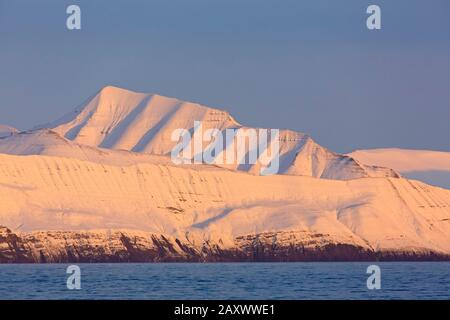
[(310, 66)]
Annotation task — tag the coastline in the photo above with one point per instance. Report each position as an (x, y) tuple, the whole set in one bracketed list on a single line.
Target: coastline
[(121, 247)]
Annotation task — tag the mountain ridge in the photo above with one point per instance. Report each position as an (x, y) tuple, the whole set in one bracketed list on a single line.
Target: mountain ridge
[(117, 118), (209, 204), (99, 187)]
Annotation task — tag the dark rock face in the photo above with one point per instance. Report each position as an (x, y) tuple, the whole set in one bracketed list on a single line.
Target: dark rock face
[(12, 248), (88, 247)]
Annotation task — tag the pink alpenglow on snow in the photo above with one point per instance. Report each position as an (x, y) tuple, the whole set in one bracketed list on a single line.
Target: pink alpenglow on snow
[(99, 185), (429, 166)]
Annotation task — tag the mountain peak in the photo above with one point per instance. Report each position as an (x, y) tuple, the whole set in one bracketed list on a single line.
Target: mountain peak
[(118, 118), (114, 89), (114, 93), (121, 119)]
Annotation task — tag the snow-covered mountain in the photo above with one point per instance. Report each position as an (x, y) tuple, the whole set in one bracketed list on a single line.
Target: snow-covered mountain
[(6, 131), (98, 186), (120, 119), (432, 167), (210, 206)]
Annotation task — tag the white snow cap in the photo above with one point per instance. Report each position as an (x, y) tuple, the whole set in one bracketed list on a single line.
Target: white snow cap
[(121, 119)]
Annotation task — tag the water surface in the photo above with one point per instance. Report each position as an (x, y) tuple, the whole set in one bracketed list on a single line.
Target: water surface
[(408, 280)]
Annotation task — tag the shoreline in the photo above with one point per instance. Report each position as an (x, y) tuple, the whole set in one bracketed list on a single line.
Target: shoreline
[(120, 247)]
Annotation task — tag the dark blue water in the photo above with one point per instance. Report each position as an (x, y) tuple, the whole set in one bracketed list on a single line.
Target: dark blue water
[(227, 281)]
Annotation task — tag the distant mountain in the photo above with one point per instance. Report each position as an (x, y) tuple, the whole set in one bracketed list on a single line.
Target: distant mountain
[(120, 119), (432, 167), (98, 186), (6, 131)]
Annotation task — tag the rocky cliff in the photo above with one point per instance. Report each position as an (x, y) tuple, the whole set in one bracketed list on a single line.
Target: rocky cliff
[(129, 246)]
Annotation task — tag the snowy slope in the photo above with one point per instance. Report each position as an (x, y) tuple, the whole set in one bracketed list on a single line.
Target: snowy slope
[(98, 182), (221, 206), (116, 118), (300, 155), (49, 143), (120, 119), (6, 131), (429, 166)]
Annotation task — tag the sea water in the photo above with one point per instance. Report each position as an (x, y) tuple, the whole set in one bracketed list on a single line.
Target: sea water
[(399, 280)]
